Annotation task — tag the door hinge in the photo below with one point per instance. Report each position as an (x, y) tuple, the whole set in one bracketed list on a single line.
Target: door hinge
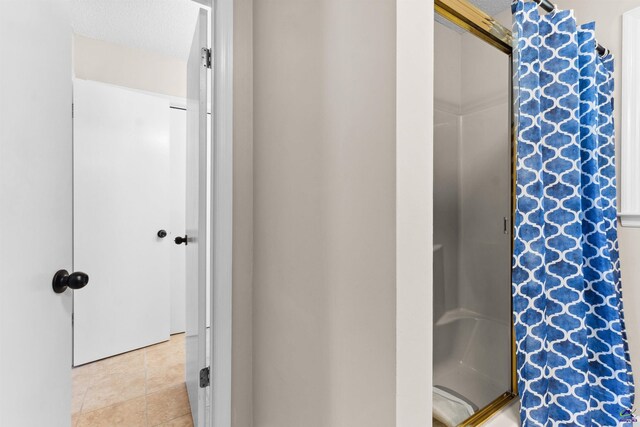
[(204, 377), (205, 54)]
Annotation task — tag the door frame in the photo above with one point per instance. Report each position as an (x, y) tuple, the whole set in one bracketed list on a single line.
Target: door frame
[(221, 232)]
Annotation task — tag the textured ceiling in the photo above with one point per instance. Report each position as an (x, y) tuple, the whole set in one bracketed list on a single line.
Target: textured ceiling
[(161, 26), (490, 7)]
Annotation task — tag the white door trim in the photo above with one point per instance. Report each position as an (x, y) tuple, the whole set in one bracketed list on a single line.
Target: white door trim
[(222, 212), (629, 143), (414, 212)]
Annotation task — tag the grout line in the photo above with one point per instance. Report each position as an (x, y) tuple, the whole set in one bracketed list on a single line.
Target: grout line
[(84, 396), (86, 391), (102, 408), (179, 416)]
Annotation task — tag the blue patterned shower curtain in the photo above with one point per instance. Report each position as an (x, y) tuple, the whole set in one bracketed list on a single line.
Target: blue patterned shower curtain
[(572, 354)]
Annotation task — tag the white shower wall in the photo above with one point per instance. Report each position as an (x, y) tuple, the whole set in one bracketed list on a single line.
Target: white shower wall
[(472, 172), (485, 257), (447, 149)]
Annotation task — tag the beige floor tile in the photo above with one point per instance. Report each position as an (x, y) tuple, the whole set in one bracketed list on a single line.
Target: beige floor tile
[(184, 421), (131, 362), (173, 341), (167, 405), (82, 377), (159, 378), (84, 370), (130, 414), (177, 338), (161, 358), (77, 398), (160, 346), (111, 392), (113, 389)]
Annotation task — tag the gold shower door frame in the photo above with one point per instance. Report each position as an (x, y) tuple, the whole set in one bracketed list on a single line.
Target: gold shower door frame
[(470, 18)]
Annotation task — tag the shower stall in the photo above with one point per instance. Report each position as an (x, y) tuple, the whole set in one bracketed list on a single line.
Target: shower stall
[(473, 196)]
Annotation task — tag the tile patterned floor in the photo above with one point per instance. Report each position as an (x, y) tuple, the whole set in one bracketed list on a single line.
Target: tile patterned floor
[(141, 388)]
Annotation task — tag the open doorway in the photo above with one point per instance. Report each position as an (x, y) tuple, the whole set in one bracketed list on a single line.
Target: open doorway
[(37, 218), (141, 211)]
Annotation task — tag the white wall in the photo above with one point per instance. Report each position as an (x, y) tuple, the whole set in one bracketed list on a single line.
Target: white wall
[(129, 67), (324, 213), (448, 68)]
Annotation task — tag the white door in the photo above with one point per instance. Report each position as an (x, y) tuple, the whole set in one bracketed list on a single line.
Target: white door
[(35, 213), (196, 220), (121, 203), (177, 227)]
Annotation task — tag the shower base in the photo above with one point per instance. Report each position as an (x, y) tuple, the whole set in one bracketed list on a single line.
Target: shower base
[(473, 385), (472, 356)]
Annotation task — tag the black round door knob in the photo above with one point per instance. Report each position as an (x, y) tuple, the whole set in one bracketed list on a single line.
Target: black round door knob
[(162, 234), (180, 240), (63, 280)]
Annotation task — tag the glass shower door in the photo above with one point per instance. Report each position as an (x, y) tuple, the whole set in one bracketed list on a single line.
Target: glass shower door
[(472, 227)]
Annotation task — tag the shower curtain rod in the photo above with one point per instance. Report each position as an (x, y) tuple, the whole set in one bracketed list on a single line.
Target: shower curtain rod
[(550, 7)]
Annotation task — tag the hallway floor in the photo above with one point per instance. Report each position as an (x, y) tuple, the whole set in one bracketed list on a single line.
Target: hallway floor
[(142, 388)]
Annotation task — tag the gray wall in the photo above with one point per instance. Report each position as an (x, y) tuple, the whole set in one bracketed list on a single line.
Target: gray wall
[(242, 363), (324, 213)]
